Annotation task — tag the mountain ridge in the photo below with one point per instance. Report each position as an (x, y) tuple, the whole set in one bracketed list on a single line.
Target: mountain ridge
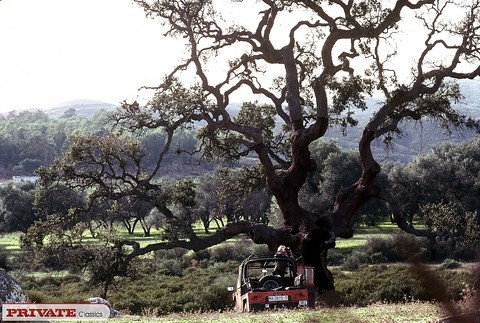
[(416, 138), (82, 107)]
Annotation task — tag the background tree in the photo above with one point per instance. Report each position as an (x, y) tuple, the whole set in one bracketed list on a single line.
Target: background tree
[(336, 170), (207, 199), (322, 58), (440, 189), (130, 212), (30, 139), (16, 212), (57, 201)]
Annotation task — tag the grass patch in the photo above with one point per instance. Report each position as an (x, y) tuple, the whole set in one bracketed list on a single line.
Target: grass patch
[(10, 241), (409, 312), (363, 233)]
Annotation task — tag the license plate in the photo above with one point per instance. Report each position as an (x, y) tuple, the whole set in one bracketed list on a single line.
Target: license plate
[(277, 298)]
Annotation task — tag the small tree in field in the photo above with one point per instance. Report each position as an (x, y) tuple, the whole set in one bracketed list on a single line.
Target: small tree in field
[(310, 65)]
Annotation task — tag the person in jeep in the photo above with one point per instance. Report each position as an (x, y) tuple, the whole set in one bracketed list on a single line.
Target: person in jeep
[(281, 265)]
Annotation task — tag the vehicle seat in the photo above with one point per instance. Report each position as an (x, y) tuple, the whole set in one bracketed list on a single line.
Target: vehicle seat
[(253, 282), (288, 281)]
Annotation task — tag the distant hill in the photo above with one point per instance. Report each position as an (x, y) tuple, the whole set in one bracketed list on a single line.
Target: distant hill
[(84, 108), (417, 137)]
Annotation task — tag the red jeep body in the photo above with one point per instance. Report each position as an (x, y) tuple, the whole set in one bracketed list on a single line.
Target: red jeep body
[(267, 281)]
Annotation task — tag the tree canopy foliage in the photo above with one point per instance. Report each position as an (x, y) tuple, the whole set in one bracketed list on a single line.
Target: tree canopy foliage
[(309, 65), (30, 139), (441, 189)]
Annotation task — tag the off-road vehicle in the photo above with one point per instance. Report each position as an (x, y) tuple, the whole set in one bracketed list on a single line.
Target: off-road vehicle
[(268, 280)]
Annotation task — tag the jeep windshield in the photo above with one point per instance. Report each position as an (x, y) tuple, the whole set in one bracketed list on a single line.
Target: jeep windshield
[(281, 266)]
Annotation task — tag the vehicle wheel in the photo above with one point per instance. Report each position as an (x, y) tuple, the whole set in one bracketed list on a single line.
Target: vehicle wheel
[(270, 282)]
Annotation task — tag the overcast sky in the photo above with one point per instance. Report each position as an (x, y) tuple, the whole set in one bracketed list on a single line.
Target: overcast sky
[(52, 51)]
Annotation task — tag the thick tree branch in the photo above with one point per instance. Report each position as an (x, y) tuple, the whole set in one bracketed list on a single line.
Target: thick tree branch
[(259, 233)]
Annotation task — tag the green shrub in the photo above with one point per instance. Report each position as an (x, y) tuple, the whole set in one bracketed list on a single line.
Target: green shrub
[(450, 264), (237, 251), (409, 247), (69, 278), (396, 283), (197, 290), (171, 267), (456, 280), (201, 255), (399, 247), (204, 289), (378, 258), (384, 247), (404, 247), (335, 257), (55, 288), (49, 282), (257, 248), (38, 296), (355, 260), (454, 250), (175, 253)]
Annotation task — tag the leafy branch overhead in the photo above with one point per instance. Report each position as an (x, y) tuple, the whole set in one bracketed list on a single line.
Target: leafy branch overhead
[(323, 57), (298, 67)]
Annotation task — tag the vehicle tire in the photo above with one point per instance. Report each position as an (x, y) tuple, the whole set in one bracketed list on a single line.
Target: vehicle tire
[(270, 282)]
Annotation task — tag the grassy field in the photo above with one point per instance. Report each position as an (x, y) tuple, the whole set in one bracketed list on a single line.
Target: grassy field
[(363, 233), (410, 312), (405, 312), (375, 313), (11, 241)]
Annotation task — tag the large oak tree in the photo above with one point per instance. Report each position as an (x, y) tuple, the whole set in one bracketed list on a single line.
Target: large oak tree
[(310, 64)]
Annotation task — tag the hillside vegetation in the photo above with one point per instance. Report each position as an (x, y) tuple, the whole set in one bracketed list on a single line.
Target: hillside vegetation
[(22, 132)]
